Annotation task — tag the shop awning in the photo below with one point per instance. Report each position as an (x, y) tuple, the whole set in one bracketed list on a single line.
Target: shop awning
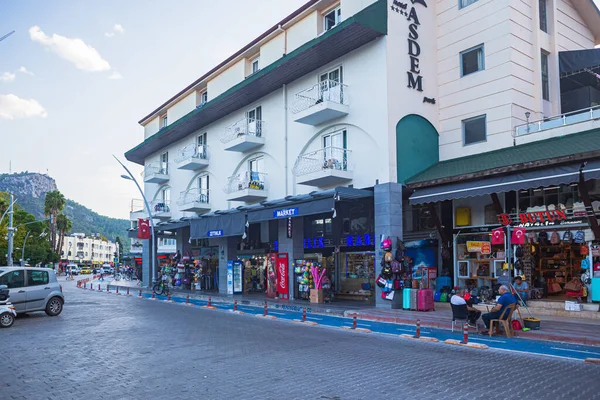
[(292, 209), (551, 176), (219, 225)]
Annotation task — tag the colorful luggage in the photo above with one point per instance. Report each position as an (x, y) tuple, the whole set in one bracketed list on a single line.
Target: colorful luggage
[(425, 300), (406, 298), (414, 294), (437, 296)]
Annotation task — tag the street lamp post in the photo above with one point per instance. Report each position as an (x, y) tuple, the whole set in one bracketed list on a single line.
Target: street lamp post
[(23, 249), (130, 177)]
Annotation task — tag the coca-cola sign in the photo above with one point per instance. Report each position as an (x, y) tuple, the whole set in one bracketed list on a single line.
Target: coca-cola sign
[(282, 276)]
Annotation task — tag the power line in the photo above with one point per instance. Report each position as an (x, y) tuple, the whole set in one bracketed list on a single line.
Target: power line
[(7, 35)]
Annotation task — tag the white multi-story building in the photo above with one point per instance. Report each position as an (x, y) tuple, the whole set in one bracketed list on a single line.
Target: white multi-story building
[(342, 96), (82, 249)]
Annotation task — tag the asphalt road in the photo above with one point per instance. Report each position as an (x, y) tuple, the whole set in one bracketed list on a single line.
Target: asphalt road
[(105, 346)]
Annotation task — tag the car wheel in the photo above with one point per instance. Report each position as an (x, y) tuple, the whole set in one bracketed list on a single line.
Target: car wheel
[(54, 306), (6, 320)]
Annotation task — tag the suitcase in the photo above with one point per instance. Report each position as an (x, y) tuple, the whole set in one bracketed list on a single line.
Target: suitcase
[(414, 298), (437, 296), (406, 299), (425, 300)]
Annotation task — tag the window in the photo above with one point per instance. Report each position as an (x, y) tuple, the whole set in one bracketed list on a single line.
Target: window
[(164, 163), (203, 186), (472, 60), (254, 65), (474, 130), (163, 121), (166, 196), (256, 165), (332, 18), (201, 145), (13, 279), (543, 16), (201, 98), (545, 80), (37, 278), (330, 87), (254, 118), (334, 154), (464, 3)]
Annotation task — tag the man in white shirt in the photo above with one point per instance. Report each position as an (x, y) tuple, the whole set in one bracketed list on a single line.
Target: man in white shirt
[(458, 300)]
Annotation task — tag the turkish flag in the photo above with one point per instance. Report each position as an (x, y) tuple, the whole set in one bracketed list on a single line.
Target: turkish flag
[(498, 236), (143, 229), (518, 236)]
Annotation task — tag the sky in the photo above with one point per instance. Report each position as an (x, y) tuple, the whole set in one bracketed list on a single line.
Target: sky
[(76, 76)]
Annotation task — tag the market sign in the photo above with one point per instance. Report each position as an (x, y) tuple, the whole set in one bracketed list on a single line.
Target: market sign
[(214, 233), (359, 240), (479, 247), (285, 213), (541, 218)]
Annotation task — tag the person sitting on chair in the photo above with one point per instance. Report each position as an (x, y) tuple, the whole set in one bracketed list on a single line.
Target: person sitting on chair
[(505, 300), (458, 300), (522, 289)]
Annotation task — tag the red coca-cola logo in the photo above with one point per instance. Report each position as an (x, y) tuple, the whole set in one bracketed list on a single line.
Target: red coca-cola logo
[(282, 276)]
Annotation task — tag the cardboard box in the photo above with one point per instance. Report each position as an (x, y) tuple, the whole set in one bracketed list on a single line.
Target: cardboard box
[(316, 295)]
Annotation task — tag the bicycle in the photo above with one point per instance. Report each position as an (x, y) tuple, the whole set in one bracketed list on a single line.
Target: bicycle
[(118, 277), (161, 288)]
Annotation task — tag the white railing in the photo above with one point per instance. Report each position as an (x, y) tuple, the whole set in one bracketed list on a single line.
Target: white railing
[(323, 159), (160, 206), (137, 205), (194, 195), (574, 117), (192, 151), (326, 90), (243, 127), (155, 169), (243, 181)]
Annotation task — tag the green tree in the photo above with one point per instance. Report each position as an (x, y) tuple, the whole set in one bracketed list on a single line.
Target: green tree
[(63, 225), (54, 203)]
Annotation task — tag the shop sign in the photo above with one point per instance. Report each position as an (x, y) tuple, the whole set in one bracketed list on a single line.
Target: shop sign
[(314, 243), (230, 277), (215, 233), (285, 213), (289, 228), (479, 247), (282, 276), (359, 240), (539, 218)]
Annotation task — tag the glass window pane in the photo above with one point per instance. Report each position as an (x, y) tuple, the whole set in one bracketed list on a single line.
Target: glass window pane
[(38, 278), (472, 61), (474, 130), (13, 279)]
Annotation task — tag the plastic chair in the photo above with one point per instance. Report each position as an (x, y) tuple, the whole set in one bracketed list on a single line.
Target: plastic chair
[(505, 319), (459, 313)]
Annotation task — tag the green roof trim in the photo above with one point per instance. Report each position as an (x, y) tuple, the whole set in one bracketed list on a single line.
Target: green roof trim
[(562, 146), (373, 18)]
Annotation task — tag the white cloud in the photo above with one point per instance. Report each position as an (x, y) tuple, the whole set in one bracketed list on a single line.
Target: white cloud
[(12, 107), (117, 28), (75, 50), (7, 77), (115, 75), (25, 71)]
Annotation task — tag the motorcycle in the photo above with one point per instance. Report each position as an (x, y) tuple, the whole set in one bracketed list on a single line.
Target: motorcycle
[(7, 310)]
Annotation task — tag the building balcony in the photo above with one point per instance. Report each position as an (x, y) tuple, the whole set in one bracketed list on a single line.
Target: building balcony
[(192, 157), (137, 210), (325, 167), (156, 174), (248, 187), (161, 209), (323, 102), (195, 200), (559, 125), (245, 135)]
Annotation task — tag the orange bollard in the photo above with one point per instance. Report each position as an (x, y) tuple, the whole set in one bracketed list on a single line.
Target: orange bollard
[(187, 299), (107, 288), (354, 322), (169, 297), (235, 305), (99, 289), (153, 296), (128, 292), (304, 314), (465, 334), (117, 290), (209, 301), (140, 295), (266, 310), (418, 333), (85, 285)]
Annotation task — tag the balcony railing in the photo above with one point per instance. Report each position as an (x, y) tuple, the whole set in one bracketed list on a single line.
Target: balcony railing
[(160, 206), (327, 90), (248, 180), (557, 121), (155, 172), (243, 127), (192, 151), (328, 158), (137, 205), (194, 195)]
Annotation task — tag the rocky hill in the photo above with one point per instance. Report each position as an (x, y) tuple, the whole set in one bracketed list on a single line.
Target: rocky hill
[(31, 188)]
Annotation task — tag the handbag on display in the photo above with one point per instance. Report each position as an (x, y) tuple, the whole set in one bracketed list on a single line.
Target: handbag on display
[(415, 284), (567, 237), (543, 238), (579, 237), (390, 295), (554, 238), (381, 281)]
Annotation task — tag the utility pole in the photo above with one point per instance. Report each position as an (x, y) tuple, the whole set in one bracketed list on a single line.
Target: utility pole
[(11, 232), (23, 249)]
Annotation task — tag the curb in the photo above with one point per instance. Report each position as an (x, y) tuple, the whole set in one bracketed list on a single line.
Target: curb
[(210, 307), (236, 312), (592, 361), (470, 345), (422, 338), (311, 323), (267, 316), (363, 330)]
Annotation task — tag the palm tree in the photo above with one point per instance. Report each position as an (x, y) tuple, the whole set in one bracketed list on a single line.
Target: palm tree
[(54, 203), (63, 225)]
